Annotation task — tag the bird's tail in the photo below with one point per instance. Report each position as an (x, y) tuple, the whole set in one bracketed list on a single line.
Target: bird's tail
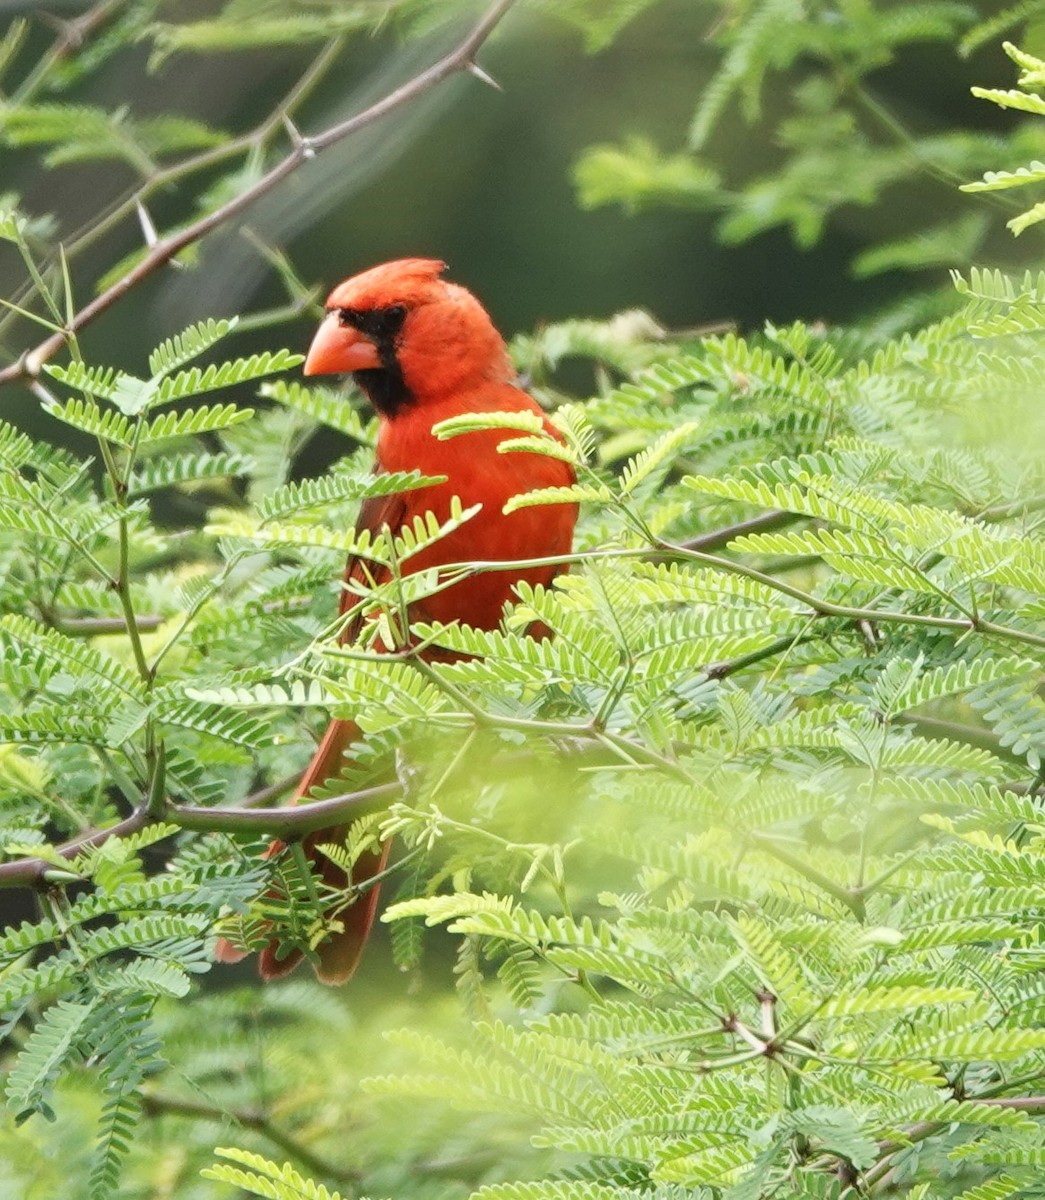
[(339, 954)]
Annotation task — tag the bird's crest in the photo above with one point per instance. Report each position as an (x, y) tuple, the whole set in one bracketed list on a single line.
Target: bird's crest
[(403, 281)]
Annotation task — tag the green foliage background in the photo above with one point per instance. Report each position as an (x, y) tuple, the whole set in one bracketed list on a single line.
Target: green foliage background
[(731, 890)]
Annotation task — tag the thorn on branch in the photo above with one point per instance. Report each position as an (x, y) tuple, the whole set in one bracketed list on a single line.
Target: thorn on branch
[(167, 247), (870, 634), (28, 365), (473, 68), (42, 393), (148, 228), (297, 139), (68, 35)]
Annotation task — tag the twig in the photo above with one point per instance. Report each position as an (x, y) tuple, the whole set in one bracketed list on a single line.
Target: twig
[(1013, 508), (816, 606), (825, 608), (158, 1104), (71, 36), (970, 735), (263, 795), (304, 149), (28, 872), (925, 1129), (851, 899), (715, 539), (729, 666), (100, 626), (253, 140), (1030, 1104)]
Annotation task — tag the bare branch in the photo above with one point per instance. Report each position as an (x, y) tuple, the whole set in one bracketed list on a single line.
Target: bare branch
[(165, 248), (30, 872), (158, 1104), (293, 822)]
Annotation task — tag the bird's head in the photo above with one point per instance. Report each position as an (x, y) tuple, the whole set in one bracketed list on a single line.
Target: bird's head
[(407, 336)]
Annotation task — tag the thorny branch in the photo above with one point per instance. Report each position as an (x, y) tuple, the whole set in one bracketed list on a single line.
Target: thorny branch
[(461, 58), (276, 822)]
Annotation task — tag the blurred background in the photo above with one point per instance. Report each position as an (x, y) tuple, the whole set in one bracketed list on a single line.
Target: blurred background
[(579, 189)]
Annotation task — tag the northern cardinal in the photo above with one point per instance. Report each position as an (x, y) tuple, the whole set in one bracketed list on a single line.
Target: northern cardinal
[(424, 350)]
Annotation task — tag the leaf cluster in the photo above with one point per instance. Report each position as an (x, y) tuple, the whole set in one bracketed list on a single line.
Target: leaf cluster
[(779, 927), (830, 140)]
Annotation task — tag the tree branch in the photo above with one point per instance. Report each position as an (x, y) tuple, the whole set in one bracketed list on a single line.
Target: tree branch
[(262, 796), (826, 608), (881, 1171), (291, 822), (287, 823), (71, 36), (729, 666), (135, 197), (102, 626), (303, 149), (157, 1104)]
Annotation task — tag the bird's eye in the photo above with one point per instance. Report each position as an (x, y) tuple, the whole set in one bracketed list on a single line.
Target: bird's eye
[(381, 324)]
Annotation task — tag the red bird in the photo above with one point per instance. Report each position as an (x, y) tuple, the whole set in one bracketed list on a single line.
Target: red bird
[(424, 350)]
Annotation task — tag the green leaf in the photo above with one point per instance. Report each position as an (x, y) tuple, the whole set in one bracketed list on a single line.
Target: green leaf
[(180, 469), (189, 344), (52, 1046), (193, 421), (219, 375), (1023, 101), (261, 1177), (999, 180), (324, 405)]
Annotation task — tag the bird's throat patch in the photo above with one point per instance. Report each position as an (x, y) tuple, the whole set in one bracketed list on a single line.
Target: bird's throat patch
[(384, 386)]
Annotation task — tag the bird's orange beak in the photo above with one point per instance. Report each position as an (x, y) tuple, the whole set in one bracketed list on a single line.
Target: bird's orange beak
[(337, 349)]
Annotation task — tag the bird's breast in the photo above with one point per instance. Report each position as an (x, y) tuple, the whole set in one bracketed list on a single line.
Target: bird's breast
[(478, 473)]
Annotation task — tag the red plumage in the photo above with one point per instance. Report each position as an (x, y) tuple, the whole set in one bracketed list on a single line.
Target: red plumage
[(425, 350)]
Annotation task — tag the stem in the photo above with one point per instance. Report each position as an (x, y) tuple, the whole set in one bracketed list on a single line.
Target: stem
[(285, 823), (261, 797), (717, 538), (1028, 1104), (30, 872), (852, 899), (781, 645), (970, 735), (101, 626), (157, 1104), (1013, 508), (72, 36), (818, 607), (826, 608), (127, 604), (926, 1129), (193, 610)]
